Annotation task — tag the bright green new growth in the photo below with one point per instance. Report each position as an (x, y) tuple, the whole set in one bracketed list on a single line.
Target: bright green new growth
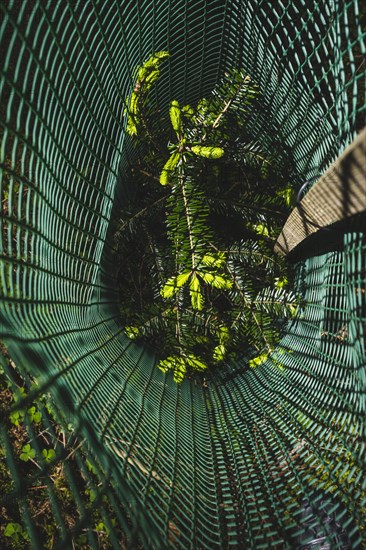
[(202, 296), (169, 168), (207, 152), (176, 118), (147, 74)]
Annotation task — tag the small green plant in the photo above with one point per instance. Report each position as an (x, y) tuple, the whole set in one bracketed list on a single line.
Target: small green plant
[(198, 277), (101, 528), (28, 453), (90, 467), (15, 532), (48, 455), (17, 417), (91, 494), (34, 415)]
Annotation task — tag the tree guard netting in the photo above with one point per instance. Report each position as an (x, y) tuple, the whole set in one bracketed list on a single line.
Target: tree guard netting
[(252, 458)]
